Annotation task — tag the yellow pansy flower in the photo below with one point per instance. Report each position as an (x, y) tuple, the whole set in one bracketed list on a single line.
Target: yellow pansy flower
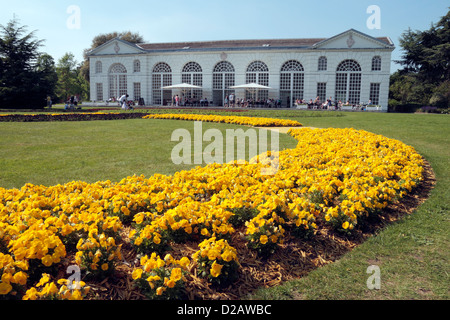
[(5, 288), (137, 273), (216, 269), (160, 291), (264, 239)]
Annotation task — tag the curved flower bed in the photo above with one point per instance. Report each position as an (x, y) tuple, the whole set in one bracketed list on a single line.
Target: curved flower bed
[(87, 116), (252, 121), (334, 178)]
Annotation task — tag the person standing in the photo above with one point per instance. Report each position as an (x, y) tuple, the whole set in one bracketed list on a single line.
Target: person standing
[(123, 101), (231, 100)]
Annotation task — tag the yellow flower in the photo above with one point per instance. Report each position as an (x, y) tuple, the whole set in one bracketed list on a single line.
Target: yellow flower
[(216, 269), (138, 241), (139, 218), (137, 273), (44, 279), (5, 288), (160, 291), (228, 255), (125, 210), (67, 229), (20, 278), (345, 225), (168, 259), (263, 239), (175, 274), (273, 238), (156, 239), (160, 263), (76, 295), (184, 262), (170, 283), (105, 266), (213, 254), (31, 294), (49, 289), (47, 261)]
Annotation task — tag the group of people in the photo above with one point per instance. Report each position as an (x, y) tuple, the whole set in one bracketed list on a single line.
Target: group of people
[(231, 101), (71, 103), (177, 101), (125, 104), (318, 104), (252, 103), (329, 104)]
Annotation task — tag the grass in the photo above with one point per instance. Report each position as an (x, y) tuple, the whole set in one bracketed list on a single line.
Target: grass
[(412, 253), (51, 153)]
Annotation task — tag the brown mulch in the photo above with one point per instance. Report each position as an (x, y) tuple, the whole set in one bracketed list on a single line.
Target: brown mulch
[(292, 260)]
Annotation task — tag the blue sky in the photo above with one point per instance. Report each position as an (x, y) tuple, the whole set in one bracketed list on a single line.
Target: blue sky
[(198, 20)]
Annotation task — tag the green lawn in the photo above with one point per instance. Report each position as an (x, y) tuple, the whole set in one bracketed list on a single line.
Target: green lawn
[(51, 153), (412, 254)]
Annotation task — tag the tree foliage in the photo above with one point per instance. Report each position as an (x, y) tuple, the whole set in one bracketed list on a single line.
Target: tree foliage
[(46, 68), (425, 77), (70, 82), (26, 75)]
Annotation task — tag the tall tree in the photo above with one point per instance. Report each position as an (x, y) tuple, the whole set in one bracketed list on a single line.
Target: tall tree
[(427, 53), (46, 68), (102, 39), (425, 76), (19, 78), (69, 80)]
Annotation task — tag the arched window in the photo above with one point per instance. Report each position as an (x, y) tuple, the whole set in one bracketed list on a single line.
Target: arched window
[(136, 66), (257, 66), (224, 66), (117, 80), (223, 79), (161, 77), (348, 82), (117, 68), (192, 74), (98, 67), (193, 67), (162, 68), (258, 72), (291, 82), (323, 64), (349, 65), (376, 63)]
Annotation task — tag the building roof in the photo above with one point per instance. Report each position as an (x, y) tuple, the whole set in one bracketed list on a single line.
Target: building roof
[(232, 44), (257, 44)]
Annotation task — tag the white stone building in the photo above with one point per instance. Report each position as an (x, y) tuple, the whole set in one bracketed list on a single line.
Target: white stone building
[(350, 66)]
